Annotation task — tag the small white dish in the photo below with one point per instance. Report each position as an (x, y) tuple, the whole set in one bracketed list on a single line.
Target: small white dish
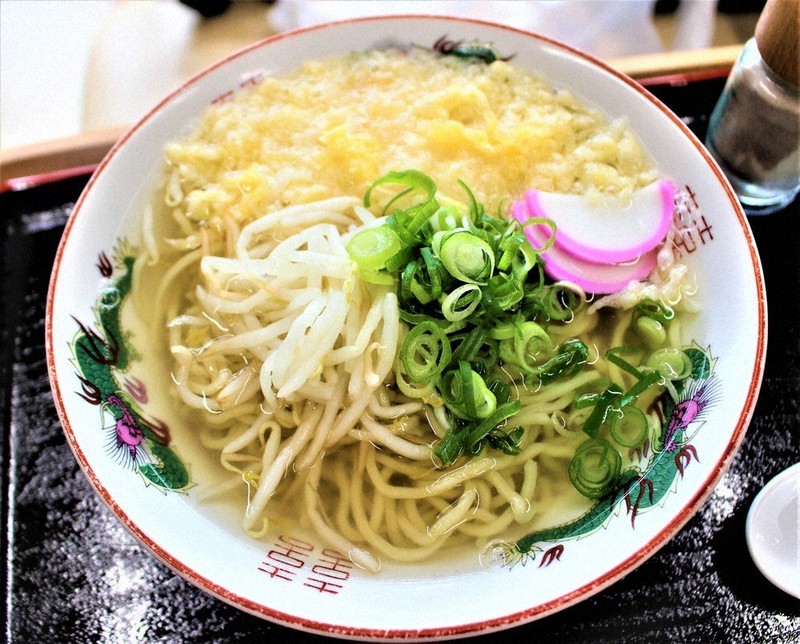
[(773, 530)]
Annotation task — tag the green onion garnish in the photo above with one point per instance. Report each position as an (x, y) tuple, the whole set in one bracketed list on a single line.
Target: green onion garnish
[(425, 352), (466, 394), (466, 256), (372, 247), (628, 427), (671, 363), (472, 292), (595, 467)]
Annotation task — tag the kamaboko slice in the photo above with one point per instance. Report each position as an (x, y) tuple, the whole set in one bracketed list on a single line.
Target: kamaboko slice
[(599, 278), (607, 230)]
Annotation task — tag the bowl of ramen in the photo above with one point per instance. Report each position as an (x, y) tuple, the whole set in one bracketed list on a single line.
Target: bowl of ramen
[(397, 311)]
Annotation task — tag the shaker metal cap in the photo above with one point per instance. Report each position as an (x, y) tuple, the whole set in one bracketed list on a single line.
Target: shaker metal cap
[(778, 38)]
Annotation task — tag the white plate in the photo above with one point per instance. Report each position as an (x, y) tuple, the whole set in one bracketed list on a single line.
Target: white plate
[(291, 578), (773, 530)]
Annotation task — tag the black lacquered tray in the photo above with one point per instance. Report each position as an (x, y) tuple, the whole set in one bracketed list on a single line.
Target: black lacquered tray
[(74, 574)]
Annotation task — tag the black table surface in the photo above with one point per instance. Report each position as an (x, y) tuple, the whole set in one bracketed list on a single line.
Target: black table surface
[(73, 573)]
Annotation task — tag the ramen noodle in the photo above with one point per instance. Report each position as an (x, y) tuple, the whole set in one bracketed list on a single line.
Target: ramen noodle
[(286, 361)]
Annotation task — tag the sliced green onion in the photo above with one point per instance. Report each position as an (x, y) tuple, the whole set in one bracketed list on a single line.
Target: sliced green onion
[(499, 415), (475, 209), (571, 356), (595, 468), (423, 391), (449, 448), (446, 218), (409, 287), (413, 319), (501, 389), (504, 331), (464, 254), (602, 404), (506, 442), (461, 302), (470, 437), (528, 348), (414, 179), (613, 357), (638, 389), (655, 310), (502, 293), (650, 319), (651, 330), (524, 261), (400, 259), (425, 352), (629, 426), (613, 399), (408, 223), (417, 216), (470, 345), (672, 364), (508, 246), (371, 247), (435, 273), (543, 221), (423, 278), (465, 393), (562, 302)]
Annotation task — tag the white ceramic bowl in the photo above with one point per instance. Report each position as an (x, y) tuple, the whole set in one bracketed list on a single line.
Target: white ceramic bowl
[(294, 581)]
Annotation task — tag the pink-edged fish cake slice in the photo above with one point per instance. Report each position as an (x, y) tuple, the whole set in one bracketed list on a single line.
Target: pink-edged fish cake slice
[(609, 231), (598, 278)]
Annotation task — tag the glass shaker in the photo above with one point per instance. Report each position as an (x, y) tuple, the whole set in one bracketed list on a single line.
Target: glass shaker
[(754, 130)]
